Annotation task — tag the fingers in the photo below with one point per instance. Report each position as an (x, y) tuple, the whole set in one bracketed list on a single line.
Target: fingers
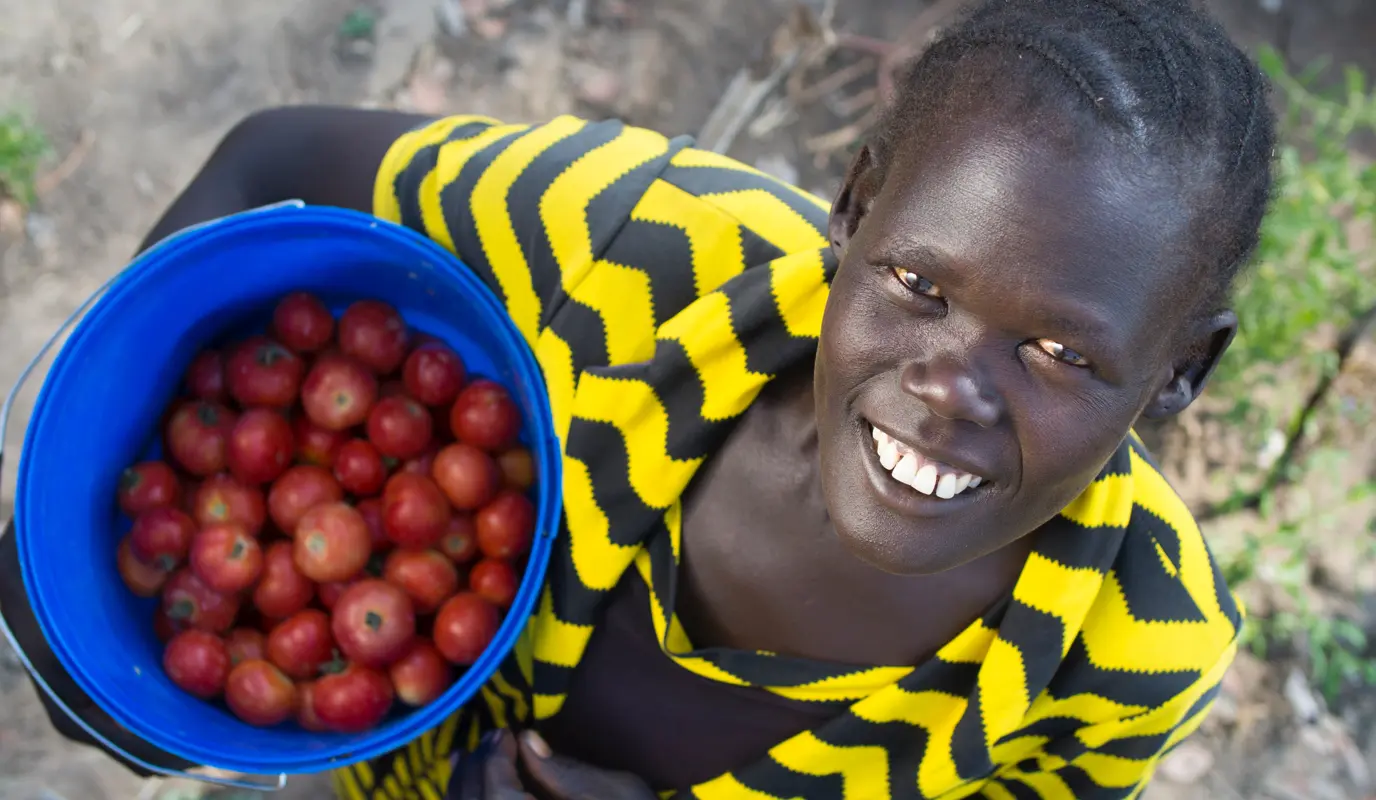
[(489, 772)]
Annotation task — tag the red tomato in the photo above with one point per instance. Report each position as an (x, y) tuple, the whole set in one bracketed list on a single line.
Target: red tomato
[(261, 372), (465, 627), (332, 543), (162, 537), (495, 581), (197, 436), (373, 623), (305, 708), (283, 590), (300, 489), (302, 322), (426, 576), (518, 468), (197, 662), (358, 466), (259, 694), (221, 498), (371, 510), (506, 525), (433, 374), (485, 416), (205, 378), (188, 600), (316, 445), (468, 476), (421, 675), (338, 392), (375, 334), (301, 644), (142, 578), (352, 701), (460, 540), (261, 446), (414, 511), (245, 644), (226, 558), (148, 485), (400, 427)]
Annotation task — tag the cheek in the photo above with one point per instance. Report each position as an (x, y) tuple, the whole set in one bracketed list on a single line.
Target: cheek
[(1066, 440), (859, 333)]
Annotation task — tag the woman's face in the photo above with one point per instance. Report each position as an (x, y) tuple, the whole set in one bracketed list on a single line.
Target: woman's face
[(1001, 316)]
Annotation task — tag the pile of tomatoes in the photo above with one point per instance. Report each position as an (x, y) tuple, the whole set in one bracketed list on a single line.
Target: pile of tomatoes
[(340, 521)]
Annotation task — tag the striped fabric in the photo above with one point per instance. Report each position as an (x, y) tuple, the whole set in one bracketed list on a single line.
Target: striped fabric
[(661, 287)]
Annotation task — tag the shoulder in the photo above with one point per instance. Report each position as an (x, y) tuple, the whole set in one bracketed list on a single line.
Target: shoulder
[(1165, 606)]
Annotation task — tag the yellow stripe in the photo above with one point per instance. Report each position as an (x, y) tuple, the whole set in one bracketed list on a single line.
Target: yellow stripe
[(598, 560), (938, 713), (705, 331), (800, 289), (400, 155), (519, 707), (1003, 696), (547, 705), (1011, 751), (418, 767), (726, 787), (1114, 639), (637, 413), (556, 641), (1112, 771), (495, 707), (864, 770), (673, 521), (390, 788), (427, 746), (401, 769), (492, 219), (428, 791), (714, 237), (556, 363), (1196, 570), (1088, 708), (994, 791), (620, 294), (444, 742), (1065, 593), (970, 646), (365, 774), (706, 669), (453, 156), (1048, 785), (346, 785), (1106, 502), (475, 734), (854, 686), (441, 773), (564, 204), (703, 158), (769, 217)]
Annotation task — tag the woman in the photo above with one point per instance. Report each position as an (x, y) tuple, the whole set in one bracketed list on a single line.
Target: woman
[(852, 506)]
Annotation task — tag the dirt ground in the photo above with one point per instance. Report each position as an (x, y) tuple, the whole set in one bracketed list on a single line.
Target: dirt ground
[(135, 94)]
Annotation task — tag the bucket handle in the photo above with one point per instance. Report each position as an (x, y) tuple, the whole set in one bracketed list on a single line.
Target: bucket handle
[(38, 680)]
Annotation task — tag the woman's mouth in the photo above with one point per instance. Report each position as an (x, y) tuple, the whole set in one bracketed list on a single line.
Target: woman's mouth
[(924, 475)]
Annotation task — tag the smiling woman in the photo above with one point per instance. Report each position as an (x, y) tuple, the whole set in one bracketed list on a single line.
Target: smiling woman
[(853, 509)]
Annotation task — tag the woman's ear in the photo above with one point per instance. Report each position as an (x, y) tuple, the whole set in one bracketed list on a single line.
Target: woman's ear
[(853, 202), (1199, 356)]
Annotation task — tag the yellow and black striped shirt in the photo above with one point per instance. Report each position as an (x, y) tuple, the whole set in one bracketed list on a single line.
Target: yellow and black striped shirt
[(661, 287)]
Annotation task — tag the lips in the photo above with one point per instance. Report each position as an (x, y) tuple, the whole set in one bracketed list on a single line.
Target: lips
[(923, 474)]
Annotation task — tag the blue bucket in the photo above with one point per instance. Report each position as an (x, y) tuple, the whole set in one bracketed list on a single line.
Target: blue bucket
[(98, 412)]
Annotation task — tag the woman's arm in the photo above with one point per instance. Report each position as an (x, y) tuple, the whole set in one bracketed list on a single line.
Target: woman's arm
[(319, 154)]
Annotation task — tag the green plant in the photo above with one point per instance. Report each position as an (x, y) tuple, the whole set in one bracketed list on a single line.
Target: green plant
[(22, 147)]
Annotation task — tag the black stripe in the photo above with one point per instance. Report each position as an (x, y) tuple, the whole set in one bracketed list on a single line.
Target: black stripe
[(665, 255), (610, 210), (1022, 791), (1152, 594), (581, 327), (573, 601), (406, 186), (1139, 748), (1083, 787), (551, 678), (904, 745), (968, 752), (775, 670), (769, 347), (679, 388), (1053, 728), (1078, 675), (456, 200), (770, 777), (1226, 602), (663, 567), (1036, 636), (601, 448), (1073, 545), (957, 679), (755, 251), (1120, 463), (720, 180)]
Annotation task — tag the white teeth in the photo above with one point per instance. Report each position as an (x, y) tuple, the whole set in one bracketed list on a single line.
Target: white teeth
[(906, 469), (909, 467), (926, 479)]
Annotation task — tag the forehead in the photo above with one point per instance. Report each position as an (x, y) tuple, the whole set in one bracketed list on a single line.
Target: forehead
[(1069, 227)]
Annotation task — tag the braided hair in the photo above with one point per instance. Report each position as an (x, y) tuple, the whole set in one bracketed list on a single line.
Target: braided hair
[(1156, 78)]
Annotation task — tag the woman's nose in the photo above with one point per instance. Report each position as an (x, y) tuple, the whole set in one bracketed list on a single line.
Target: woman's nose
[(952, 390)]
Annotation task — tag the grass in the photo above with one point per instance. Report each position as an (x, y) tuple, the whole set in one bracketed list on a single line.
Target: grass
[(22, 148)]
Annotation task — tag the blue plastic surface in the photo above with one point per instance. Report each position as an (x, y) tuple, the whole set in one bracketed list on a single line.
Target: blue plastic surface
[(98, 412)]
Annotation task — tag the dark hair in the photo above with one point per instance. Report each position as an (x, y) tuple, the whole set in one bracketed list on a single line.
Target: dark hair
[(1159, 77)]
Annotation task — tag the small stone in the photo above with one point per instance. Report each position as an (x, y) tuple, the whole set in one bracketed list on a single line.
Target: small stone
[(600, 87), (11, 217), (1303, 702), (1187, 763)]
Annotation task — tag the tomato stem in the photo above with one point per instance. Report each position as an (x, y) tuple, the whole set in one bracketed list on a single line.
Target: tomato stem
[(181, 609), (373, 620), (207, 414), (129, 479)]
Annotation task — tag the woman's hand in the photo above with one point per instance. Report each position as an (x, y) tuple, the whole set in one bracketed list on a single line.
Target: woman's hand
[(493, 773)]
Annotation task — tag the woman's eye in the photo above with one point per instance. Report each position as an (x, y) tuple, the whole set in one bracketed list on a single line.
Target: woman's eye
[(1062, 353), (916, 282)]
